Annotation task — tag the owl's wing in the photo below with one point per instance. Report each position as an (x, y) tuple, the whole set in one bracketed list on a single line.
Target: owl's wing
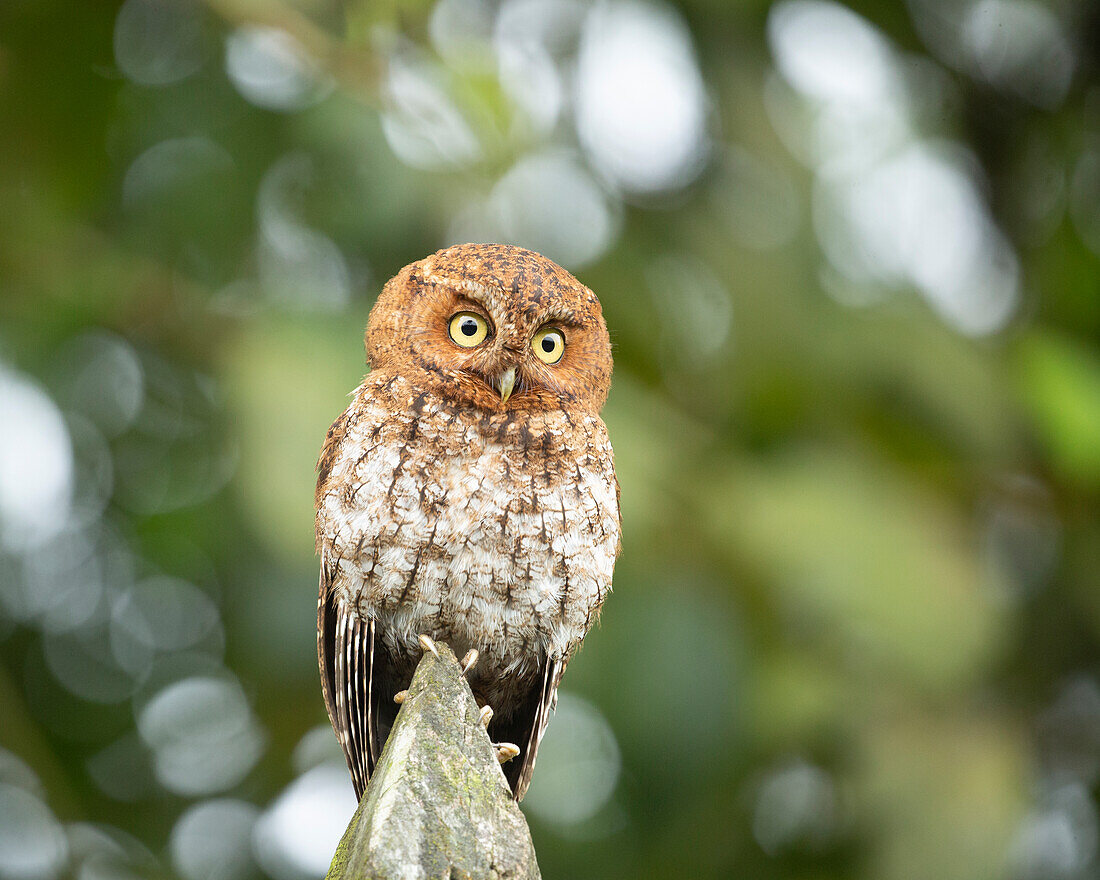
[(533, 724), (345, 655)]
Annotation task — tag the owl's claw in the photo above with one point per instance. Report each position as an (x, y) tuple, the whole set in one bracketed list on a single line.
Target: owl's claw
[(506, 751), (400, 697), (427, 644), (486, 716), (469, 660)]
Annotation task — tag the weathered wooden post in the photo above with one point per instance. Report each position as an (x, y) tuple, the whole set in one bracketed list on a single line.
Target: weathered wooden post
[(438, 805)]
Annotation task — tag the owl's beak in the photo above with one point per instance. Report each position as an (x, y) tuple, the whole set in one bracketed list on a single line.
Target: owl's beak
[(506, 383)]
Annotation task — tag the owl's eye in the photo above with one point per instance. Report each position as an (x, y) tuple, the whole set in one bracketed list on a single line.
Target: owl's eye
[(468, 329), (549, 345)]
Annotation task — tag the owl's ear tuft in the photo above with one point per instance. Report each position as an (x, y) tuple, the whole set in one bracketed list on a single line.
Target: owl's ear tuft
[(385, 324)]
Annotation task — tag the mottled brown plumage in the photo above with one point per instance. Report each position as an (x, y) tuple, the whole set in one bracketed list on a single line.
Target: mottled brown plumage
[(468, 493)]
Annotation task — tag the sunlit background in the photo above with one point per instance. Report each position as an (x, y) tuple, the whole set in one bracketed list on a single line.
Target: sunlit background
[(849, 259)]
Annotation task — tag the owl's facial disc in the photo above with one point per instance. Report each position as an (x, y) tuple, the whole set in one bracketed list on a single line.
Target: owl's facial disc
[(493, 327), (513, 354)]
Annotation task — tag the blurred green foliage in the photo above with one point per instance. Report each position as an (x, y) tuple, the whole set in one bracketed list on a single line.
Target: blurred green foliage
[(848, 257)]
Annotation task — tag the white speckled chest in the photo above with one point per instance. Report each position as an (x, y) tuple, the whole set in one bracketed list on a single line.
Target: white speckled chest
[(493, 532)]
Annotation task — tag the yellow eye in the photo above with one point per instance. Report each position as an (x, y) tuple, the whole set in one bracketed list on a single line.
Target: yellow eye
[(469, 329), (549, 345)]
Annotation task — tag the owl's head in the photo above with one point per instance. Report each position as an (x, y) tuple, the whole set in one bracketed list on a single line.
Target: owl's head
[(495, 327)]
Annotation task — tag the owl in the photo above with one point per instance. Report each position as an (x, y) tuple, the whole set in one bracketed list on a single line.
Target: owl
[(467, 496)]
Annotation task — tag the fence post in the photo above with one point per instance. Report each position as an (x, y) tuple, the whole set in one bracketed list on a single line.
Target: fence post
[(438, 805)]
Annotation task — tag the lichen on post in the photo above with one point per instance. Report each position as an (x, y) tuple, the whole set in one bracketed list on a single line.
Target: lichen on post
[(438, 805)]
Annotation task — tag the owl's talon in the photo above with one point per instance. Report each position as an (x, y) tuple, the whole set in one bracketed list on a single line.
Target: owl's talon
[(469, 660), (400, 697), (506, 751), (427, 644), (486, 716)]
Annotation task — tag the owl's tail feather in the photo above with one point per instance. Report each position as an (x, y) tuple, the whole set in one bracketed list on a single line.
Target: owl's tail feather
[(345, 654), (552, 671)]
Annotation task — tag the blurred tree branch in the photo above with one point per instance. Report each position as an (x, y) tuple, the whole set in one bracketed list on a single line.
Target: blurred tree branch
[(358, 68), (438, 804)]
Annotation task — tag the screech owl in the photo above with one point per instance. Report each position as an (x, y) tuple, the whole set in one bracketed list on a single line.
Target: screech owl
[(467, 494)]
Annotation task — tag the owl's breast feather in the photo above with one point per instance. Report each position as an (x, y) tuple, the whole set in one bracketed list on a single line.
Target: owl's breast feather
[(498, 535)]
